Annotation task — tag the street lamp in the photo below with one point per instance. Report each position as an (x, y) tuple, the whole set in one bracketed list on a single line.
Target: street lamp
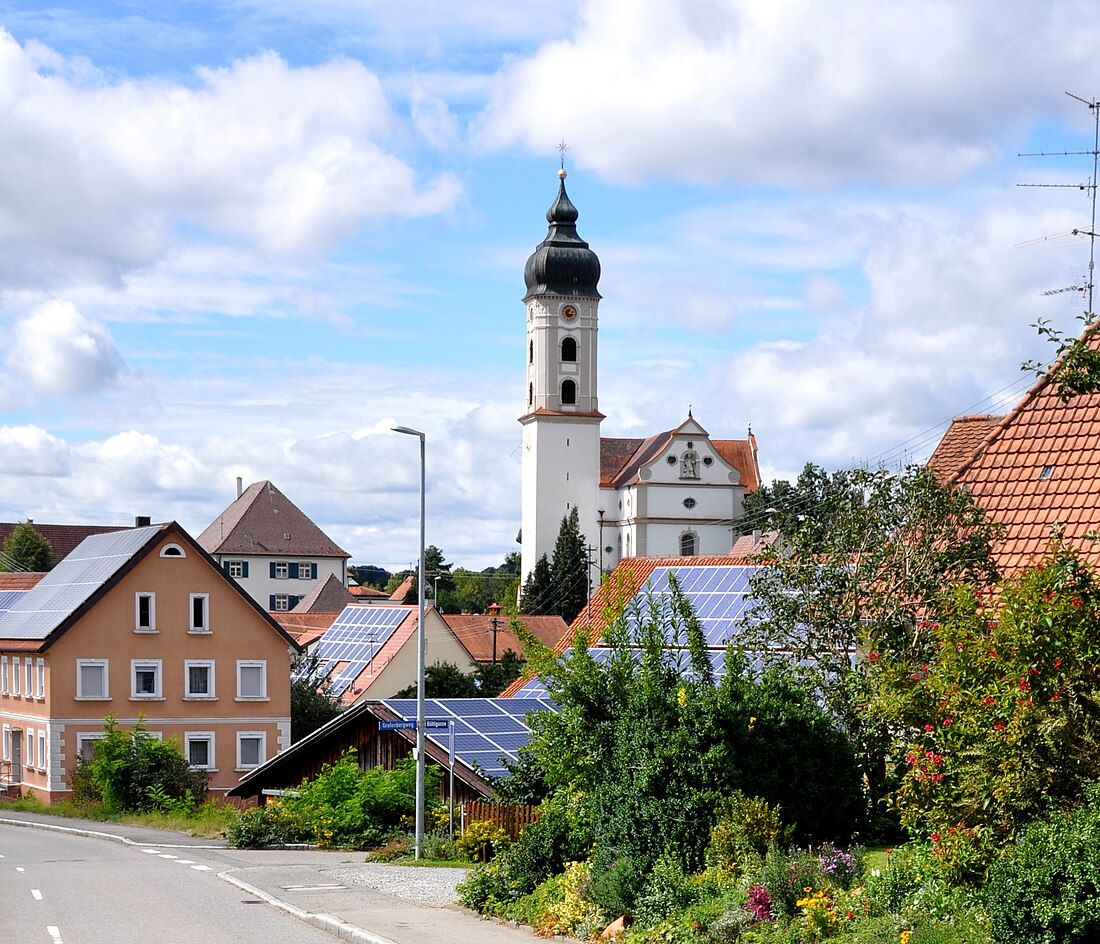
[(420, 652)]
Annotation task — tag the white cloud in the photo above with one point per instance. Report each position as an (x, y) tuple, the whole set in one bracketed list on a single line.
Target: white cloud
[(55, 350), (96, 175), (791, 92)]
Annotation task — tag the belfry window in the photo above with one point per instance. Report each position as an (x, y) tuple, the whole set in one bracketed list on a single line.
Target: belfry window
[(568, 392), (530, 394), (569, 349), (530, 352)]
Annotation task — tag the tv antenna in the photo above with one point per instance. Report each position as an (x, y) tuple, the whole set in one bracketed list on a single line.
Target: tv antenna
[(1089, 187)]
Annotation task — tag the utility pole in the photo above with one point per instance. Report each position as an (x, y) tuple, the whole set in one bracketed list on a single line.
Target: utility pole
[(494, 612)]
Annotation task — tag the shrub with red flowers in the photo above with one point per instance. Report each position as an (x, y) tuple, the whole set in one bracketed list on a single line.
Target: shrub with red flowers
[(1004, 720)]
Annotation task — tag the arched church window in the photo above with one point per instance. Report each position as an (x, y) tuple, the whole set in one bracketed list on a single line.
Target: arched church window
[(568, 392), (530, 352), (569, 349), (687, 544), (530, 394)]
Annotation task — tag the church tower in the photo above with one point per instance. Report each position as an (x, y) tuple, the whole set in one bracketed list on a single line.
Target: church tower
[(561, 423)]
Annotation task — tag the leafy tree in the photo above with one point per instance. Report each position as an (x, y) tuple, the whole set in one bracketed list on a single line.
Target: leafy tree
[(26, 549), (817, 497), (1076, 362), (311, 704), (491, 679), (865, 577), (437, 573), (1003, 720), (652, 744), (560, 587), (368, 575)]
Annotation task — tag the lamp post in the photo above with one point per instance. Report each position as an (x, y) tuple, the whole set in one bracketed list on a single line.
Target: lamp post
[(420, 653)]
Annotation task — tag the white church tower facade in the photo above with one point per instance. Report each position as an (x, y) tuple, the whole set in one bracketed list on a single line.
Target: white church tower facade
[(561, 422)]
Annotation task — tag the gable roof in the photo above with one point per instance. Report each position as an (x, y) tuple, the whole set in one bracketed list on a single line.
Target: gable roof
[(85, 575), (963, 438), (304, 628), (621, 459), (475, 633), (1040, 470), (264, 521), (62, 537), (373, 592), (327, 596)]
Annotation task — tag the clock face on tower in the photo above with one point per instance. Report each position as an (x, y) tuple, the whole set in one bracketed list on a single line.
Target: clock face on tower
[(569, 313)]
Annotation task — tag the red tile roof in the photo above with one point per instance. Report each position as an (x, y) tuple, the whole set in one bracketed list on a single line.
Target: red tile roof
[(621, 459), (19, 580), (963, 438), (327, 596), (304, 628), (475, 633), (357, 591), (264, 521), (1040, 469), (62, 537), (402, 591)]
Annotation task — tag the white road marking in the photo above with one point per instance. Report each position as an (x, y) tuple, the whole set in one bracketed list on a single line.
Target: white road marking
[(54, 933), (185, 861), (203, 868), (20, 869), (36, 894), (302, 888), (151, 851), (168, 855)]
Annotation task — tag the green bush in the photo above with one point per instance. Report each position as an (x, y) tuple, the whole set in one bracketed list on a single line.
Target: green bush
[(1046, 889), (481, 841), (82, 783), (488, 889), (746, 827), (787, 875), (667, 890), (615, 881), (134, 772), (269, 825)]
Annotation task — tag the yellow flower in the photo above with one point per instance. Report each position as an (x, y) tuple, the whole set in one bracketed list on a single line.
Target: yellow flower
[(752, 721), (904, 937), (682, 696)]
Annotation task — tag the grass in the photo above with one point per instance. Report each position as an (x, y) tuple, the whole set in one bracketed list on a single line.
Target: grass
[(209, 821)]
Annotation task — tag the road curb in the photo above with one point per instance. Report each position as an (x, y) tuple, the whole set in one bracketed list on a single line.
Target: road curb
[(95, 834), (341, 929)]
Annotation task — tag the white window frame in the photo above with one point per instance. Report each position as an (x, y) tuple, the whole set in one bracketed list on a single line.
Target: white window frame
[(5, 745), (15, 674), (84, 738), (208, 737), (40, 677), (260, 736), (3, 676), (28, 677), (204, 599), (261, 664), (104, 666), (144, 665), (282, 570), (189, 695), (236, 569), (28, 748), (282, 603), (307, 566), (172, 550), (42, 750), (151, 627)]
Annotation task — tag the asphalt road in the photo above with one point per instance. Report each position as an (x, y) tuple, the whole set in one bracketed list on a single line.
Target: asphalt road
[(58, 888)]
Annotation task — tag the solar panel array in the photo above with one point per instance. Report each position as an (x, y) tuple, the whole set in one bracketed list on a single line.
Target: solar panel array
[(487, 730), (355, 638), (75, 578), (8, 597), (673, 657), (720, 596)]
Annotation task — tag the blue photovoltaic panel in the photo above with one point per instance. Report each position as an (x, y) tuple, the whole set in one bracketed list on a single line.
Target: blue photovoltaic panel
[(488, 731), (8, 597), (355, 638), (720, 596)]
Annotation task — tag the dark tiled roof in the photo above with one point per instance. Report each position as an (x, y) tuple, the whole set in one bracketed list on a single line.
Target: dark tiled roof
[(62, 537), (964, 437), (327, 596), (260, 521), (476, 634)]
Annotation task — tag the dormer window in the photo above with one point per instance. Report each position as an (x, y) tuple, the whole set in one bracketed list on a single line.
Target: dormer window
[(1046, 472), (569, 349)]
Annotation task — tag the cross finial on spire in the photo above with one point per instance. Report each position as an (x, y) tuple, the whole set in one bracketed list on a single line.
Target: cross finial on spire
[(689, 410), (562, 148)]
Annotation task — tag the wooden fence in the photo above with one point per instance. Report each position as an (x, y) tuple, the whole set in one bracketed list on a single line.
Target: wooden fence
[(509, 817)]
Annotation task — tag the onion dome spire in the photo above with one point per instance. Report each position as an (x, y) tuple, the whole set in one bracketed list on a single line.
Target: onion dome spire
[(562, 264)]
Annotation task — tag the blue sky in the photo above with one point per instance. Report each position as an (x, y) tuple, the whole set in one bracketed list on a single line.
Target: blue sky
[(248, 238)]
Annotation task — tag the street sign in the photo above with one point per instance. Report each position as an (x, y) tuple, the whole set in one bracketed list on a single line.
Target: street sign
[(396, 725), (436, 724)]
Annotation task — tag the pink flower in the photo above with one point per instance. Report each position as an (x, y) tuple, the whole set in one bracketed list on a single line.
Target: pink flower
[(929, 727)]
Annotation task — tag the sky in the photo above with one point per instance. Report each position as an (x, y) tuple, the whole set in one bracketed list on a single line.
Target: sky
[(247, 238)]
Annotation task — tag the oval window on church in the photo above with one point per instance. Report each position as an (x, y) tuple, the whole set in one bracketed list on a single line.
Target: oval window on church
[(569, 349), (568, 392)]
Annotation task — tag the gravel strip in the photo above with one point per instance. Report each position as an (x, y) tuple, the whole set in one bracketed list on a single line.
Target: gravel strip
[(424, 885)]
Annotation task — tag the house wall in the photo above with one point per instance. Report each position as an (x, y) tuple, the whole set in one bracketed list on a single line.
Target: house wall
[(25, 714), (261, 586), (108, 633)]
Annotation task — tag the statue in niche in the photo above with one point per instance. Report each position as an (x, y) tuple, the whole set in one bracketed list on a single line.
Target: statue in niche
[(689, 465)]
